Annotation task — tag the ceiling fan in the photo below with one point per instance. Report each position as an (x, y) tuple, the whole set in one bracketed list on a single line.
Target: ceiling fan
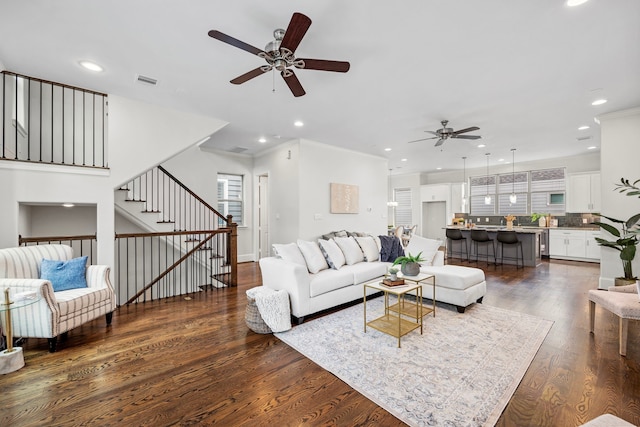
[(279, 54), (446, 133)]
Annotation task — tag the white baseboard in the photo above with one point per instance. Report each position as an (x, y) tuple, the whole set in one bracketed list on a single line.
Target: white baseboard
[(246, 258)]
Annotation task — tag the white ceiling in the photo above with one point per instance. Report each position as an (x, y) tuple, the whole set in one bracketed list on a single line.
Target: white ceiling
[(523, 71)]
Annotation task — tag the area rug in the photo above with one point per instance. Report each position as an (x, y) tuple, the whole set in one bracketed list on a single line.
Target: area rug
[(461, 371)]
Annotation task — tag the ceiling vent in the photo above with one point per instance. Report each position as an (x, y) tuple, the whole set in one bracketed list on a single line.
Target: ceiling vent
[(146, 80), (238, 150)]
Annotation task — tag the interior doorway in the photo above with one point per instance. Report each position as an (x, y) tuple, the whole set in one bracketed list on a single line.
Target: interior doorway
[(263, 217), (434, 219)]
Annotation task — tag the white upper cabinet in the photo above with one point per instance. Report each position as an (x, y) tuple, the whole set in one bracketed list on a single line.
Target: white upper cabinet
[(583, 192)]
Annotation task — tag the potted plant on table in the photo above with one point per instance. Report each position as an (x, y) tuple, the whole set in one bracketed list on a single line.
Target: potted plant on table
[(393, 274), (409, 265), (540, 218)]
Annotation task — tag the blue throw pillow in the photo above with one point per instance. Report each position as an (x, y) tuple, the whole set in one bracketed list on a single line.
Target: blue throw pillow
[(65, 275)]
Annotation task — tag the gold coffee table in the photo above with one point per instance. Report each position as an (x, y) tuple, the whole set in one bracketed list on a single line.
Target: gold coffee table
[(394, 321), (420, 279)]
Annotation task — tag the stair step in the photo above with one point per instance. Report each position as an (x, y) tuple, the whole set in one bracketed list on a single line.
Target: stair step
[(135, 200), (165, 222), (191, 240), (153, 211)]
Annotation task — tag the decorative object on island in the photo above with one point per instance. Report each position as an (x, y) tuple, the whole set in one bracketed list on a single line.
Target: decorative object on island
[(393, 274), (410, 265), (510, 218), (626, 242), (541, 218)]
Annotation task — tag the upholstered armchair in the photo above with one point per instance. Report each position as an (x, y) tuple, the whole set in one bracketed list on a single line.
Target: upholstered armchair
[(55, 312)]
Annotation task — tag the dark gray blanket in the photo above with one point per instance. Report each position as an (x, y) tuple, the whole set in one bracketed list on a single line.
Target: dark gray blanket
[(391, 248)]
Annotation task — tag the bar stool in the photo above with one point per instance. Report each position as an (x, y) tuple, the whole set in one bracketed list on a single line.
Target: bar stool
[(456, 236), (481, 237), (510, 238)]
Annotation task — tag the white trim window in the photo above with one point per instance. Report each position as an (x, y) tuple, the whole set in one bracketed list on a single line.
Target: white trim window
[(231, 197), (403, 210)]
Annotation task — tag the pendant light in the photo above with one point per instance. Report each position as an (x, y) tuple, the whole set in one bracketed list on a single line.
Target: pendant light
[(487, 198), (391, 203), (464, 183), (513, 198)]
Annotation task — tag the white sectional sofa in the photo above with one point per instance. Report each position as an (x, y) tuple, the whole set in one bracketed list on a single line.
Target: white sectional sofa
[(324, 274)]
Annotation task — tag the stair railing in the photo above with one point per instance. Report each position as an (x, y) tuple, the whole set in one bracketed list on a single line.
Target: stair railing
[(193, 219), (53, 123)]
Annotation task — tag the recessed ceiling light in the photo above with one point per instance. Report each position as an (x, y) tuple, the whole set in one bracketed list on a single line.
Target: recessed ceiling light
[(438, 168), (481, 145), (599, 101), (298, 123), (572, 3), (501, 160), (387, 149), (583, 128), (91, 66), (592, 148), (403, 160), (262, 140), (68, 205)]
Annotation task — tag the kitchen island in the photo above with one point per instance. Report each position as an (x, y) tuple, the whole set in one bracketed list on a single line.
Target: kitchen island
[(530, 238)]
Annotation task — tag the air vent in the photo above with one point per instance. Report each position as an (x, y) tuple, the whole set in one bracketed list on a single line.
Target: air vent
[(146, 80), (238, 150), (583, 138)]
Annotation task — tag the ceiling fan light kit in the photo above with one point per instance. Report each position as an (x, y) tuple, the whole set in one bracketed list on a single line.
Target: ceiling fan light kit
[(280, 54)]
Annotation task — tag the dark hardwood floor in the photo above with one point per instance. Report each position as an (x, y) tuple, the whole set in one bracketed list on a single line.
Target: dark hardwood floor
[(194, 362)]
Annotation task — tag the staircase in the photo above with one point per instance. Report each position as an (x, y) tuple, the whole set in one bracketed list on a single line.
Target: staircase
[(190, 230)]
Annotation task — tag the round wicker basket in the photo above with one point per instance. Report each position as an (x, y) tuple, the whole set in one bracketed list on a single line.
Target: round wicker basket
[(254, 319)]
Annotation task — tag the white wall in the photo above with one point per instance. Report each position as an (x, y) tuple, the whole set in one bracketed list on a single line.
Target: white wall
[(281, 164), (321, 165), (620, 153), (142, 135), (60, 221), (300, 173), (198, 169)]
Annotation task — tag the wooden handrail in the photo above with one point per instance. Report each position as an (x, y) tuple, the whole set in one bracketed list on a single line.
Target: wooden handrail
[(93, 92), (171, 233), (188, 190), (23, 240)]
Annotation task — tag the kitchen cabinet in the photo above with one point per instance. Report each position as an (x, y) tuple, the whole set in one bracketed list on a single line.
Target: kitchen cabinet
[(577, 245), (593, 248), (583, 193)]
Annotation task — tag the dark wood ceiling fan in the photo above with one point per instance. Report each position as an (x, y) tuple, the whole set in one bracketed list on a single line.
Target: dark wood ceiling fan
[(445, 133), (279, 54)]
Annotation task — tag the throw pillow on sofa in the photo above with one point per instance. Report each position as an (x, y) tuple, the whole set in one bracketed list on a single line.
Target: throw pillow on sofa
[(369, 248), (313, 256), (65, 275), (332, 253), (351, 250), (428, 247), (289, 252)]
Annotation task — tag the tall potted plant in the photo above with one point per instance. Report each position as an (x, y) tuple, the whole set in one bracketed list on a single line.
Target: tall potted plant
[(627, 236), (626, 242)]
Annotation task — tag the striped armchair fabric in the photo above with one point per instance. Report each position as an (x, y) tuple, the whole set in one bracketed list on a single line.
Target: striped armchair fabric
[(55, 312)]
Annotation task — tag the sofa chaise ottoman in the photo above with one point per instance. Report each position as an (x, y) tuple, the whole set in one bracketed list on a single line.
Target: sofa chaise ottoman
[(318, 279)]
